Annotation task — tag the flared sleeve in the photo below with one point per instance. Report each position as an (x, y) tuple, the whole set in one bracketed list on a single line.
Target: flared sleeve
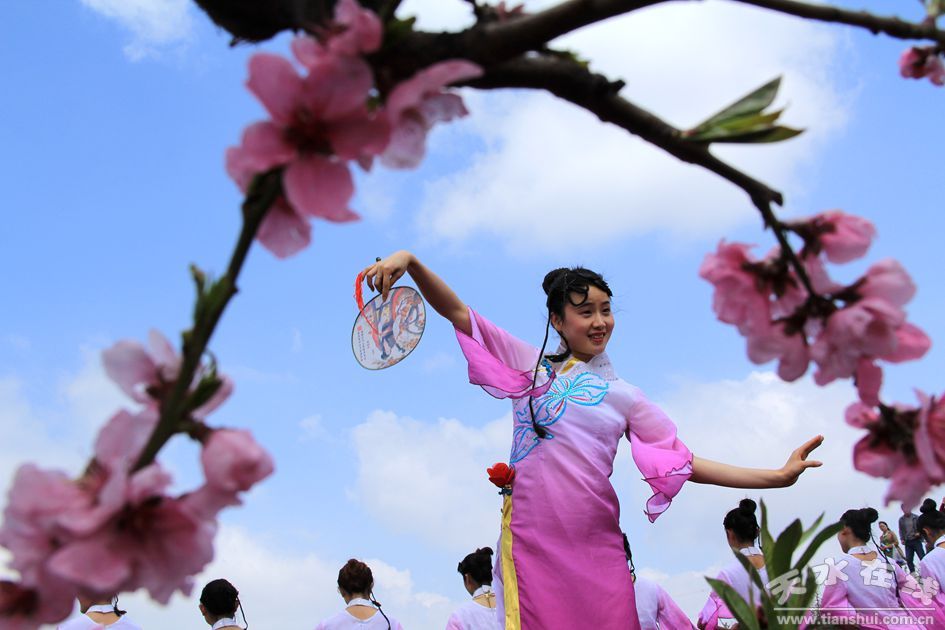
[(499, 362), (666, 463), (670, 614)]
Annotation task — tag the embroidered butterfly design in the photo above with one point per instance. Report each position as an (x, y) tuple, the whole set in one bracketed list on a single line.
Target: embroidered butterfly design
[(586, 389)]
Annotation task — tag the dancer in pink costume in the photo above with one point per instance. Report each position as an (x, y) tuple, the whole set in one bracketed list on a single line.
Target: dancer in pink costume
[(931, 525), (561, 560), (741, 531), (864, 589), (656, 609)]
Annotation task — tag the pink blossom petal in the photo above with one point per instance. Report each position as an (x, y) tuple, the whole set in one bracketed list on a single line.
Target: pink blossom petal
[(410, 93), (337, 86), (860, 415), (131, 367), (869, 379), (912, 343), (284, 232), (795, 358), (123, 437), (408, 143), (276, 84), (924, 440), (849, 237), (442, 108), (233, 461), (319, 187), (359, 135), (307, 50), (73, 563), (265, 147), (935, 69), (909, 63), (164, 354), (149, 482), (363, 29), (888, 280)]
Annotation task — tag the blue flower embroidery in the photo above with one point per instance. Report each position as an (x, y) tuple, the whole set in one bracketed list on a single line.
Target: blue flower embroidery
[(586, 389)]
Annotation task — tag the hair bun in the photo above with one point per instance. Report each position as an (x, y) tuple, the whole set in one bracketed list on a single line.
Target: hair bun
[(747, 505), (486, 551), (928, 506), (870, 514), (551, 277)]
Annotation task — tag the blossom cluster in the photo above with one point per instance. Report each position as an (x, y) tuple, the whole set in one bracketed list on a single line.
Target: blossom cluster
[(330, 115), (844, 330), (118, 528)]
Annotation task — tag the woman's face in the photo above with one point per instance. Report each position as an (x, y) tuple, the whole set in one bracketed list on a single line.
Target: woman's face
[(586, 327), (883, 528)]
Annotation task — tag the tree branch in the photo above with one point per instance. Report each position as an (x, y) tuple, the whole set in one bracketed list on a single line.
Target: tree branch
[(573, 82), (892, 26)]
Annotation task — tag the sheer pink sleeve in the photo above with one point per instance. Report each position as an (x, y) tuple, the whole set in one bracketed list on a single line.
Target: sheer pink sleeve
[(713, 609), (670, 614), (454, 623), (663, 459), (500, 363)]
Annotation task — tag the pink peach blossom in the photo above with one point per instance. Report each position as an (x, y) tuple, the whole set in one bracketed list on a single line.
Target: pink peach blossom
[(930, 435), (737, 299), (869, 379), (27, 608), (844, 237), (233, 461), (418, 103), (909, 481), (356, 31), (145, 374), (920, 62)]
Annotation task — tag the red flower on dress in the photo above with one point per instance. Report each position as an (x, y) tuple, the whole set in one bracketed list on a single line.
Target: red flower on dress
[(501, 474)]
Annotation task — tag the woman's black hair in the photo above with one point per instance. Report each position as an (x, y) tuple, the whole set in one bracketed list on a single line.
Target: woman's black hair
[(859, 521), (478, 566), (930, 518), (629, 553), (221, 599), (356, 577), (742, 522), (559, 286)]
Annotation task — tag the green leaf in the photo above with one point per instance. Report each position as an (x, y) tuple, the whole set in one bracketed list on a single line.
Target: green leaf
[(750, 568), (810, 530), (780, 561), (767, 542), (747, 619), (827, 532), (749, 104)]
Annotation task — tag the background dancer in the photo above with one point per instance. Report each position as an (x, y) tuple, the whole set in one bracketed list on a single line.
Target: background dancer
[(479, 613), (219, 602), (931, 525), (362, 611), (97, 613)]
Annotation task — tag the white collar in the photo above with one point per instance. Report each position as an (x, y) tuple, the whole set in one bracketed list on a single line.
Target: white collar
[(482, 590), (862, 549), (939, 541), (599, 364), (750, 551), (223, 623), (360, 601), (101, 608)]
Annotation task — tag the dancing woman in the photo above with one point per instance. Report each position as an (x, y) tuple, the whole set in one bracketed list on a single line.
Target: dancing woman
[(561, 562), (219, 601), (362, 611), (656, 609), (99, 613), (931, 524), (479, 612), (869, 593), (741, 530)]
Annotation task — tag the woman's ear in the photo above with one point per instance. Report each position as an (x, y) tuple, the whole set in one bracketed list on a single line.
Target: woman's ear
[(556, 323)]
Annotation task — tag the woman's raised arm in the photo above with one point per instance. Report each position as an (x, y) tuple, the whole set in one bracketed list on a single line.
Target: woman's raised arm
[(719, 474), (382, 275)]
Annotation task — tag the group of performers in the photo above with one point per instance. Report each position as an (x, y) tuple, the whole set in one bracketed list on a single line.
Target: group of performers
[(561, 561)]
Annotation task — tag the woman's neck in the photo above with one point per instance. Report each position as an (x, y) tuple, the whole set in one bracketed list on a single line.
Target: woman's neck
[(353, 596)]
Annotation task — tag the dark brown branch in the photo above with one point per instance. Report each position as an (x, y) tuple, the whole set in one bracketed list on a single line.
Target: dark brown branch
[(892, 26), (573, 82)]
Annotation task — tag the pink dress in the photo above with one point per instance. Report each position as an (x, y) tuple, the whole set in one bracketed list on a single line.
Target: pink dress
[(561, 562), (868, 595), (932, 567), (656, 609)]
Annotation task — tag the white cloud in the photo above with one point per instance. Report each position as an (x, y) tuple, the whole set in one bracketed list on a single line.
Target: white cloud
[(549, 169), (429, 478), (312, 427), (155, 25)]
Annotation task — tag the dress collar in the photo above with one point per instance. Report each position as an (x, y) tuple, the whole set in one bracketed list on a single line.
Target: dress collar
[(101, 608), (600, 365), (750, 551), (224, 623)]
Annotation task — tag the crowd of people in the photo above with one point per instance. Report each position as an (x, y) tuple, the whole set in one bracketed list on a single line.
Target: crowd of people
[(870, 590)]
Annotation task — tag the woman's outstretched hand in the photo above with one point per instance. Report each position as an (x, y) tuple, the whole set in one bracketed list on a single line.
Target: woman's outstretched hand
[(382, 275), (798, 462)]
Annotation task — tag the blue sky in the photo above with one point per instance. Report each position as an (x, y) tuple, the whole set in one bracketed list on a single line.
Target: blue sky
[(115, 128)]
